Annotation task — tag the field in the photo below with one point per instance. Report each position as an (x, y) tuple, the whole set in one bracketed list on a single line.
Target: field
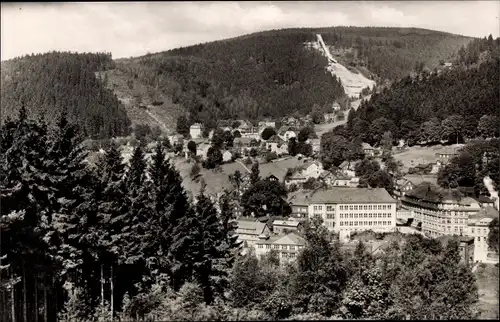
[(421, 155), (487, 283), (217, 181)]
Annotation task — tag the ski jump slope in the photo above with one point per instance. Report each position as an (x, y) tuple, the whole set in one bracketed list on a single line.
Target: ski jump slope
[(353, 83)]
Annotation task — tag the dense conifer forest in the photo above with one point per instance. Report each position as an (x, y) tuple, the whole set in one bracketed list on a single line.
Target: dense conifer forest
[(48, 83), (272, 74), (450, 105)]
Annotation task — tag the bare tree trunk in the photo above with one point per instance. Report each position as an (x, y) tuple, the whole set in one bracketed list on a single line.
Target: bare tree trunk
[(45, 309), (25, 302), (36, 299), (13, 297), (112, 294), (102, 286)]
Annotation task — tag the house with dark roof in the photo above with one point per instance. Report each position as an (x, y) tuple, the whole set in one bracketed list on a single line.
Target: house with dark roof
[(281, 226)]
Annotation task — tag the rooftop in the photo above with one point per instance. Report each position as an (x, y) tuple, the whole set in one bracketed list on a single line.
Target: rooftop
[(430, 192), (249, 226), (485, 213), (291, 223), (292, 238), (344, 195)]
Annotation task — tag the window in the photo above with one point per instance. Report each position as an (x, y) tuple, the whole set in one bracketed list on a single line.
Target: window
[(369, 207), (341, 223), (341, 215), (472, 230), (330, 208), (366, 215), (350, 207), (291, 247), (351, 216), (355, 207), (260, 246), (365, 207), (283, 247), (330, 216), (276, 247), (268, 246)]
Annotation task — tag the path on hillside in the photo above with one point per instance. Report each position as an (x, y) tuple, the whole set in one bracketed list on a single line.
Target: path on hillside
[(244, 166), (165, 128)]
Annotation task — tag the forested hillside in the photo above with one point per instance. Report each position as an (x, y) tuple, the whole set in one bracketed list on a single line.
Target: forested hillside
[(48, 83), (272, 74), (451, 105)]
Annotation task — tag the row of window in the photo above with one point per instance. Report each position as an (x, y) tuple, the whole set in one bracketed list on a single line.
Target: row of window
[(365, 223), (366, 207), (284, 247), (354, 207), (485, 231), (351, 216)]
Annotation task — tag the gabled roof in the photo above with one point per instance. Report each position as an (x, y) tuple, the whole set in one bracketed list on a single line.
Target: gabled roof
[(365, 145), (290, 223), (486, 212), (243, 225), (325, 174), (289, 239), (275, 139)]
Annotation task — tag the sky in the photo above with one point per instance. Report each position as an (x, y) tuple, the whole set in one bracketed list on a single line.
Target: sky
[(133, 29)]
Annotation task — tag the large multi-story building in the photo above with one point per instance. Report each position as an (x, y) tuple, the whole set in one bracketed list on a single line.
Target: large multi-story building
[(439, 211), (478, 228), (350, 209)]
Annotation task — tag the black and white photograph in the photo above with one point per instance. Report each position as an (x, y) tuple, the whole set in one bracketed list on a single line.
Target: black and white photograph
[(249, 161)]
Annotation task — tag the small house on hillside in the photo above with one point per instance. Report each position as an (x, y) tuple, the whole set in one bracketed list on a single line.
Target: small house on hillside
[(347, 168), (327, 177), (447, 154), (196, 130), (316, 145), (250, 229), (227, 156), (286, 133), (314, 170), (286, 226), (368, 150), (401, 187), (329, 117), (275, 144)]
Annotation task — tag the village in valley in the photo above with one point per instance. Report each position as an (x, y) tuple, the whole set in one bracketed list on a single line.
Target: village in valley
[(288, 151)]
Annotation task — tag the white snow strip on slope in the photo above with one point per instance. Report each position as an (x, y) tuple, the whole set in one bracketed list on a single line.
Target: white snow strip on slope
[(353, 83)]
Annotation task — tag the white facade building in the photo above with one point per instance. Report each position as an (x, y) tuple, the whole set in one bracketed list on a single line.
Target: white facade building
[(196, 130), (353, 209)]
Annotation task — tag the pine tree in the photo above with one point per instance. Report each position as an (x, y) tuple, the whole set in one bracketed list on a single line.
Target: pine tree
[(254, 175)]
